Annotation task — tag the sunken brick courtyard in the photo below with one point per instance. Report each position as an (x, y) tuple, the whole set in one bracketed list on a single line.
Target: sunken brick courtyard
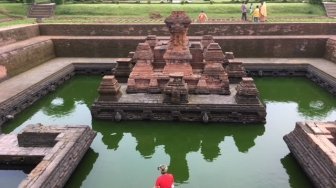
[(51, 54)]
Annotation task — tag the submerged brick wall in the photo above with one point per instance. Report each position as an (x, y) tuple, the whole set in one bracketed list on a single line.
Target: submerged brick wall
[(330, 52), (16, 34)]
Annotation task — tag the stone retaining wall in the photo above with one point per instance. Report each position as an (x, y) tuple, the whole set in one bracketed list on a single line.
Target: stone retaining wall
[(215, 29), (102, 47), (23, 100), (242, 47), (24, 58), (330, 52), (60, 161), (322, 79), (274, 47), (234, 113), (18, 33), (313, 146)]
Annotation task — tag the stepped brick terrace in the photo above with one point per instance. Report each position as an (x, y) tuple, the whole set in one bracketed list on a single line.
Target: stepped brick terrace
[(181, 81), (56, 152), (313, 145), (50, 54)]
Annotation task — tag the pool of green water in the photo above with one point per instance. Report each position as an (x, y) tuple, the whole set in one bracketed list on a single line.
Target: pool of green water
[(126, 154)]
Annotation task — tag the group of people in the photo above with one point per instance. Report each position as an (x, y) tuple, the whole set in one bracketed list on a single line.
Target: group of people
[(259, 14)]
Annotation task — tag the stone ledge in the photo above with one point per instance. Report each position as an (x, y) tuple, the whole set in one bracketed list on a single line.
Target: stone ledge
[(53, 163), (313, 145)]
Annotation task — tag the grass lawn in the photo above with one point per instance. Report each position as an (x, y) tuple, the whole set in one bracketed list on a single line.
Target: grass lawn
[(130, 13)]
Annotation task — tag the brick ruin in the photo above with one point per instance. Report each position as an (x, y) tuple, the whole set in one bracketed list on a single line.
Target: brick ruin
[(202, 64), (313, 146), (55, 151), (178, 79)]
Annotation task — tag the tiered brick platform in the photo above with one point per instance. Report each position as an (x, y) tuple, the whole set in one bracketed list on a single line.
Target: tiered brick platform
[(300, 49), (206, 108), (175, 83), (313, 145), (56, 152)]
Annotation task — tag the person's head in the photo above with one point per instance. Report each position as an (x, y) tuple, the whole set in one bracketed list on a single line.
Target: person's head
[(163, 169), (257, 6)]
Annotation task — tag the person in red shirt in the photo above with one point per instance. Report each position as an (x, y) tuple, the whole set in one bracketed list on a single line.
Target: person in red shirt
[(166, 180), (202, 17)]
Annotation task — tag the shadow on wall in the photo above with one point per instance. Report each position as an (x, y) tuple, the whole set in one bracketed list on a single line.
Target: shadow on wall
[(3, 72)]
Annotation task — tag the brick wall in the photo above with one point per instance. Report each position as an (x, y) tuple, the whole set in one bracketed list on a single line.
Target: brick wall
[(19, 33), (24, 58), (242, 47), (57, 166), (194, 30), (102, 47), (330, 52)]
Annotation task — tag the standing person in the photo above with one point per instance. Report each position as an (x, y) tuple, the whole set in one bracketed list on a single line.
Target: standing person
[(244, 10), (256, 14), (166, 180), (202, 17), (263, 11), (251, 8)]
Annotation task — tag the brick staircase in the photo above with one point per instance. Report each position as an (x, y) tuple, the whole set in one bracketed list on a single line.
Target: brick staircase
[(40, 11), (330, 9)]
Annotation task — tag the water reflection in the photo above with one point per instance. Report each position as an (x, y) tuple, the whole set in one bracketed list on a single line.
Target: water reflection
[(295, 173), (59, 107), (200, 155), (83, 169), (11, 178), (179, 140), (64, 103), (68, 104), (312, 100)]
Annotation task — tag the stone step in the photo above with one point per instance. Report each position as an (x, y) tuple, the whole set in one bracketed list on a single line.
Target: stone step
[(41, 10), (330, 9)]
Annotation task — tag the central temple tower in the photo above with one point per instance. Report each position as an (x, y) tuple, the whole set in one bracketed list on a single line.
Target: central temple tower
[(200, 65), (178, 56)]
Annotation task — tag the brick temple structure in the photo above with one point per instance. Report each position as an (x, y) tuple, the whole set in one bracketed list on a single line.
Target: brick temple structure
[(178, 79), (201, 64)]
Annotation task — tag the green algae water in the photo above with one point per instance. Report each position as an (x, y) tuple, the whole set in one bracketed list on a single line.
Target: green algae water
[(126, 154)]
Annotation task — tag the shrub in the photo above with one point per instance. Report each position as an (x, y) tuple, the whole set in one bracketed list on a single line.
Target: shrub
[(59, 2), (315, 1)]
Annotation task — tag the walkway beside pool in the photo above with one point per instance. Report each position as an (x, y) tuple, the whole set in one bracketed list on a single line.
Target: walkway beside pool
[(18, 84)]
